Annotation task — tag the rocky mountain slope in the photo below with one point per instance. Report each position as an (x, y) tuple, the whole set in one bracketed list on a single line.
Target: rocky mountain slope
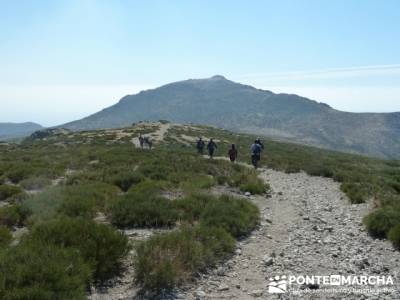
[(17, 130), (226, 104)]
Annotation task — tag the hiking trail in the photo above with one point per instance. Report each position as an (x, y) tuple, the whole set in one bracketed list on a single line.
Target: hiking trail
[(308, 227)]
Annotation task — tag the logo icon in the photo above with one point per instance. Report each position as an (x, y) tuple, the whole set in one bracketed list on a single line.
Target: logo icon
[(277, 285), (335, 280)]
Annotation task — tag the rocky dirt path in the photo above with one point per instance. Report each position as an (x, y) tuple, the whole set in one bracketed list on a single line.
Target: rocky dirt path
[(308, 228)]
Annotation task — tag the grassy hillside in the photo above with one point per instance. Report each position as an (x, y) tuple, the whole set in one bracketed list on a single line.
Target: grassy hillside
[(55, 190)]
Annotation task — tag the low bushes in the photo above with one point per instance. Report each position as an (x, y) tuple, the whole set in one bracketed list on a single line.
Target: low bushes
[(5, 236), (354, 192), (141, 210), (170, 259), (148, 187), (319, 170), (236, 216), (165, 261), (86, 199), (101, 247), (191, 207), (19, 172), (124, 180), (7, 191), (44, 205), (248, 181), (381, 221), (35, 183), (42, 272), (394, 236), (14, 215)]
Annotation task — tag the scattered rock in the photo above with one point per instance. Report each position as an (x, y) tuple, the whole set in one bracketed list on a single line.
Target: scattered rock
[(223, 288), (200, 294), (256, 293), (268, 261)]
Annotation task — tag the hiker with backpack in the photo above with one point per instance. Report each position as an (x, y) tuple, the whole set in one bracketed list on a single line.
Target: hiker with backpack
[(233, 153), (211, 148), (200, 146), (256, 150)]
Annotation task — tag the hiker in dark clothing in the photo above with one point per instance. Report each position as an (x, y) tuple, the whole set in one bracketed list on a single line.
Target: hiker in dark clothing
[(149, 142), (256, 149), (233, 153), (141, 141), (200, 146), (211, 148)]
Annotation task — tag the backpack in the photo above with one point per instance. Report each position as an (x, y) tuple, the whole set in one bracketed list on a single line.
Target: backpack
[(256, 149)]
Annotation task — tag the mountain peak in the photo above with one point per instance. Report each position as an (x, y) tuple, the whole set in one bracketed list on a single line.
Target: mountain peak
[(218, 77)]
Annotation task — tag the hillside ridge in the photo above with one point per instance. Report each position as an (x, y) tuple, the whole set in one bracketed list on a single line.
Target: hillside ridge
[(242, 108)]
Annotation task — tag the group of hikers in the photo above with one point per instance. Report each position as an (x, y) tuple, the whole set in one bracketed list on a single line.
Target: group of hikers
[(256, 148), (145, 141)]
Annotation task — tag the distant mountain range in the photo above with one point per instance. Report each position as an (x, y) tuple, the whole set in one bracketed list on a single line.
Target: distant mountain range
[(230, 105), (17, 130)]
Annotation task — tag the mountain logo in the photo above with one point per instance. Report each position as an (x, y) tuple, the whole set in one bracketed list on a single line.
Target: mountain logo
[(277, 285)]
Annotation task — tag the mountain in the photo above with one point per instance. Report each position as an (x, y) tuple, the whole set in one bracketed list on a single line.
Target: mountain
[(17, 130), (230, 105)]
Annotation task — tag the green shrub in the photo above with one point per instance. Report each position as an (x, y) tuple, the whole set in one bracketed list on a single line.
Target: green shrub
[(237, 216), (19, 172), (394, 236), (292, 169), (148, 187), (248, 181), (157, 170), (42, 272), (5, 236), (125, 180), (319, 170), (354, 191), (341, 176), (381, 221), (6, 191), (101, 247), (86, 199), (255, 187), (190, 208), (78, 207), (35, 183), (167, 260), (140, 210), (45, 205), (14, 215), (196, 182)]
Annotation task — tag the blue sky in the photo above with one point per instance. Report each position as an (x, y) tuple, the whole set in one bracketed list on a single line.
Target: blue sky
[(61, 60)]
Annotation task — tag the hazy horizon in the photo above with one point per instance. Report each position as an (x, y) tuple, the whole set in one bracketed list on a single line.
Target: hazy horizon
[(63, 60), (47, 112)]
